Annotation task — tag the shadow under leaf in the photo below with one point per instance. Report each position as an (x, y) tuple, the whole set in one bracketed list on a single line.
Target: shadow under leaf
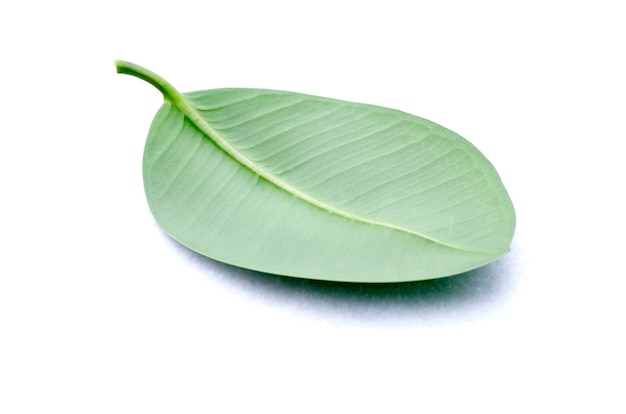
[(455, 297)]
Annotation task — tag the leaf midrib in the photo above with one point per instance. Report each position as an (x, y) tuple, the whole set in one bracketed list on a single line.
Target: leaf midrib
[(191, 112)]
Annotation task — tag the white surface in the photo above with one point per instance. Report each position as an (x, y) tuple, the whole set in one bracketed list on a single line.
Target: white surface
[(100, 312)]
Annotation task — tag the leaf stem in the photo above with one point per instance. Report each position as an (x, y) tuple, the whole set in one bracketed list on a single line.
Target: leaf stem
[(176, 98), (128, 68)]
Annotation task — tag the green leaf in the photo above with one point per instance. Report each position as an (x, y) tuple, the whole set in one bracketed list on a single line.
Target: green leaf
[(312, 187)]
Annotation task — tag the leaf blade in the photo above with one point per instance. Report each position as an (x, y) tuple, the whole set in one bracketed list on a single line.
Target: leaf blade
[(328, 190)]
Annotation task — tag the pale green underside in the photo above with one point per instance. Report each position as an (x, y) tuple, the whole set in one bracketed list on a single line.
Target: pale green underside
[(337, 190)]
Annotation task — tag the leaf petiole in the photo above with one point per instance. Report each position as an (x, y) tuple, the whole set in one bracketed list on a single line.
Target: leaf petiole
[(176, 98), (169, 92)]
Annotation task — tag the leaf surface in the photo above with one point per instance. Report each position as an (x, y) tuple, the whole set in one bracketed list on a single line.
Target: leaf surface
[(305, 186)]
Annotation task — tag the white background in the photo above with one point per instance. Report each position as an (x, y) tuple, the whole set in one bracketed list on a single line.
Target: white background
[(100, 312)]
